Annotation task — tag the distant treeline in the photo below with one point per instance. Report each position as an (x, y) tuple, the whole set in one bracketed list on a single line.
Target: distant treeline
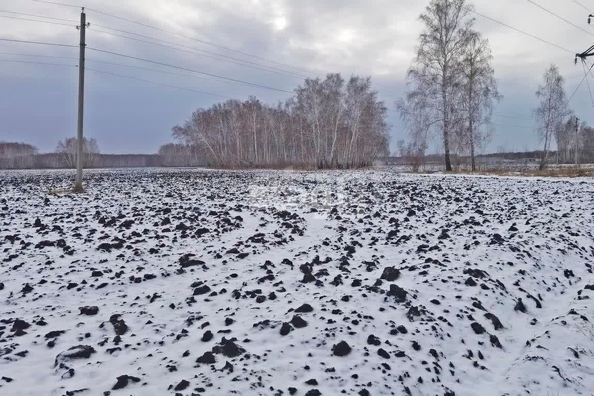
[(587, 157), (26, 156), (52, 160), (56, 161)]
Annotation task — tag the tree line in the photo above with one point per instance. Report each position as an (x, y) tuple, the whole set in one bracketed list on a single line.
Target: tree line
[(27, 156), (452, 90), (17, 155), (182, 155), (557, 123), (575, 142), (329, 123)]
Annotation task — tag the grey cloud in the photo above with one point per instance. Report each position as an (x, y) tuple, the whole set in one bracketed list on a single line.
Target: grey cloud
[(374, 37)]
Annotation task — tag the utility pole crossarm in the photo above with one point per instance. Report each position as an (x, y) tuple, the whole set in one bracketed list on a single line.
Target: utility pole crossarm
[(585, 54)]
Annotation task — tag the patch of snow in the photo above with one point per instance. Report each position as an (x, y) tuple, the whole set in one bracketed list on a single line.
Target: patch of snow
[(159, 282)]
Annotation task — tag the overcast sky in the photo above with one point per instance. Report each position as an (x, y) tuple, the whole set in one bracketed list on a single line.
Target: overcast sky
[(38, 103)]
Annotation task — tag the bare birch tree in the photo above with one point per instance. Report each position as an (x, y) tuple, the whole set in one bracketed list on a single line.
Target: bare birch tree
[(552, 110), (587, 138), (412, 152), (434, 79), (68, 150), (479, 94), (573, 142)]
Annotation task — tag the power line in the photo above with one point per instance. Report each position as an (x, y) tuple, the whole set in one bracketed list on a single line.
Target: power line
[(133, 67), (130, 66), (195, 49), (187, 69), (269, 60), (259, 67), (56, 3), (243, 62), (195, 39), (177, 34), (160, 71), (39, 16), (578, 87), (559, 17), (506, 116), (38, 42), (512, 126), (581, 5), (588, 82), (523, 32), (36, 63), (34, 20), (155, 82), (38, 56), (283, 64), (265, 59)]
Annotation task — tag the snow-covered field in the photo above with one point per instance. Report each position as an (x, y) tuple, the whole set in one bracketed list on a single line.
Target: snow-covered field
[(196, 282)]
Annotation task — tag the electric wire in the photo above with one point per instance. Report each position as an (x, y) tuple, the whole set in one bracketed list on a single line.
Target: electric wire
[(195, 49), (259, 67), (523, 32), (154, 82), (38, 43), (588, 82), (513, 117), (160, 71), (195, 39), (186, 69), (559, 17), (34, 20), (581, 5), (56, 3), (578, 87), (36, 63), (256, 65), (38, 56), (511, 126), (39, 16)]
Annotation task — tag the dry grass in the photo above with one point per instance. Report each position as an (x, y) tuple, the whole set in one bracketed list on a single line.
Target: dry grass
[(59, 191), (549, 172), (569, 171), (65, 191)]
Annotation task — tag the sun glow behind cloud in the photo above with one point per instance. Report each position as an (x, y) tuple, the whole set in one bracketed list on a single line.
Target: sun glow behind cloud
[(280, 23)]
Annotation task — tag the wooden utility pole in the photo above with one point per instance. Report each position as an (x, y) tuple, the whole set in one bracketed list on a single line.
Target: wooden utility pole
[(78, 187)]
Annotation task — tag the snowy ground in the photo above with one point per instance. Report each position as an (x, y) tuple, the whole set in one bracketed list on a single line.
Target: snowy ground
[(279, 283)]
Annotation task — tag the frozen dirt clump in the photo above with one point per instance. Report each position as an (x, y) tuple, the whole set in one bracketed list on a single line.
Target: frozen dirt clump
[(165, 282)]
